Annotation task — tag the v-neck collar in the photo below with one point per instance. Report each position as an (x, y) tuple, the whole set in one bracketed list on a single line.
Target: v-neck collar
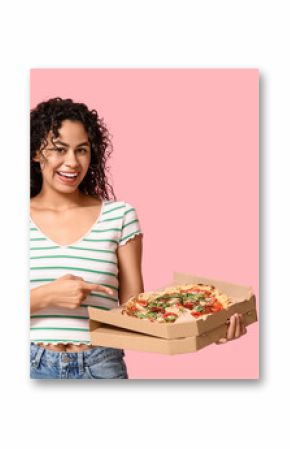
[(77, 241)]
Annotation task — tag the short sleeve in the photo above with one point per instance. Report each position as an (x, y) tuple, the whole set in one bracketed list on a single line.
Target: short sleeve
[(130, 226)]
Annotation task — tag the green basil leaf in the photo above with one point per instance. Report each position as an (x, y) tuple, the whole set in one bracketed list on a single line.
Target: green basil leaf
[(170, 318), (199, 308), (152, 314)]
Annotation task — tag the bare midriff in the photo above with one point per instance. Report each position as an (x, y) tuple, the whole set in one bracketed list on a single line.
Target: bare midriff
[(66, 347)]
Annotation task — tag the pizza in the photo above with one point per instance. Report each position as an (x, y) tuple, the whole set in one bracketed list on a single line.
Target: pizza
[(167, 305)]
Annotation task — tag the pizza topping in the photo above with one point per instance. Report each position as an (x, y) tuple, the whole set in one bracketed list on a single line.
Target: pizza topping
[(173, 301), (170, 316), (142, 302), (141, 315), (134, 309), (167, 306), (157, 309), (216, 307), (199, 309), (196, 314)]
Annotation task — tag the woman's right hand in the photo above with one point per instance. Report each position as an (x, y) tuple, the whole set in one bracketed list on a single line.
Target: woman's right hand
[(70, 291)]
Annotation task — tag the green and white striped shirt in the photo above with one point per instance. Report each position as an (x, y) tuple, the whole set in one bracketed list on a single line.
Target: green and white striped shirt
[(94, 258)]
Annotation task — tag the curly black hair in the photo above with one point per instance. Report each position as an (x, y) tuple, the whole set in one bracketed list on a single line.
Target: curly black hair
[(48, 116)]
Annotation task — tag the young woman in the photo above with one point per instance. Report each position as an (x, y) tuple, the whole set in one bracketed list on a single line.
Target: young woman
[(86, 248)]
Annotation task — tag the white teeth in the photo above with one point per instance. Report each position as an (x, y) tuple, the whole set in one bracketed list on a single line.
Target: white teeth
[(68, 175)]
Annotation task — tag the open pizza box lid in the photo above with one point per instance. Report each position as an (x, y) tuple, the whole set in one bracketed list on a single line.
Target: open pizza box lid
[(244, 302)]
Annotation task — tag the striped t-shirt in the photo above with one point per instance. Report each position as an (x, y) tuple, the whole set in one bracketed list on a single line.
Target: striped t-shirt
[(94, 258)]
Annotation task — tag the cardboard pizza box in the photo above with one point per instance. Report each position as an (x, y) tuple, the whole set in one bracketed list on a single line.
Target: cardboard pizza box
[(242, 296), (114, 337)]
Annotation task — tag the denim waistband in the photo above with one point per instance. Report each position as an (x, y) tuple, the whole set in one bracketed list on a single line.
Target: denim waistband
[(80, 359)]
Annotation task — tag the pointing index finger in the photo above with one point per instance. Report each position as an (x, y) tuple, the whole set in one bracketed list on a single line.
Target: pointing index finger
[(98, 288)]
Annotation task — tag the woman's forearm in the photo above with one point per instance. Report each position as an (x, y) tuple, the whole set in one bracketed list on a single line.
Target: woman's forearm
[(39, 298)]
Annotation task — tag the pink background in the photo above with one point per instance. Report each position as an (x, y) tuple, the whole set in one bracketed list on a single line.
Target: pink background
[(186, 157)]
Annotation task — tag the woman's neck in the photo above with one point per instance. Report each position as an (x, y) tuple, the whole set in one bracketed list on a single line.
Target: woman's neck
[(60, 202)]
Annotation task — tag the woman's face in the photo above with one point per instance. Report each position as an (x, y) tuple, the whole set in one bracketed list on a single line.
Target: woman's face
[(67, 157)]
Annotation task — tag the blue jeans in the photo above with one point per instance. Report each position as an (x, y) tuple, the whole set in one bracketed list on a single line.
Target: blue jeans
[(96, 363)]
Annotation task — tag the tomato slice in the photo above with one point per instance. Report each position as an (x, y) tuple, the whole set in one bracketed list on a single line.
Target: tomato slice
[(165, 315), (207, 293), (142, 302), (207, 309), (216, 306), (188, 305), (156, 309), (195, 314)]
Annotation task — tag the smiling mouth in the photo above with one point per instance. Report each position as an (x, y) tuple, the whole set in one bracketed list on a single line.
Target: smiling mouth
[(68, 175)]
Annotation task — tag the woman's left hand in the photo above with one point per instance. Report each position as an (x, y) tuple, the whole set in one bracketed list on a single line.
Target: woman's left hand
[(236, 328)]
